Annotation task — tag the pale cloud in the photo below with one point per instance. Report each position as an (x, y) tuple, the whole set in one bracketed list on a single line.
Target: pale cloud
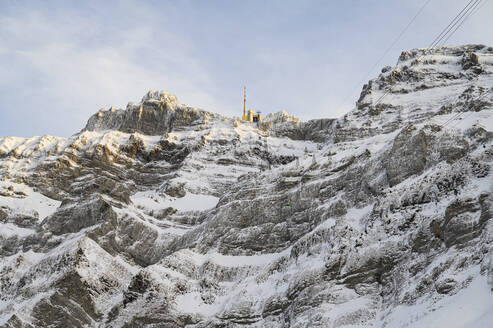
[(62, 61), (77, 79)]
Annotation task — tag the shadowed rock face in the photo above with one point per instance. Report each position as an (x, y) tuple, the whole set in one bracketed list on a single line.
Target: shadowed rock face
[(162, 215), (407, 156), (75, 216)]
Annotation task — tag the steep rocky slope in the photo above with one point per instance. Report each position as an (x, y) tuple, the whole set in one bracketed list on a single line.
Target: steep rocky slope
[(162, 215)]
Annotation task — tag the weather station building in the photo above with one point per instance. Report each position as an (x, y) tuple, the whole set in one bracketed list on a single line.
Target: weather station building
[(250, 115)]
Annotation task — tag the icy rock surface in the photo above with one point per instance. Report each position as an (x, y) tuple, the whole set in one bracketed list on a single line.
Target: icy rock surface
[(163, 215), (158, 112)]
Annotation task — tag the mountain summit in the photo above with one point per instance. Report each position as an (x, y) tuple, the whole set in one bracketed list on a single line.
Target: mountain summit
[(164, 215), (158, 112)]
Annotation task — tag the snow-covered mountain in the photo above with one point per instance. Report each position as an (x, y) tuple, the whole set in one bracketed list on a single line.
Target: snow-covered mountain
[(163, 215)]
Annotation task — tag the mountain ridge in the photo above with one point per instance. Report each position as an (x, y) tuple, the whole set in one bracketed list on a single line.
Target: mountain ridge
[(163, 215)]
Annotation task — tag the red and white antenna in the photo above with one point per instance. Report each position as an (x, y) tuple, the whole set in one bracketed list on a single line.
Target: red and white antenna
[(244, 101)]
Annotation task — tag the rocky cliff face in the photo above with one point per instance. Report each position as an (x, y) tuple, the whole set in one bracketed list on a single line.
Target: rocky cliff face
[(157, 113), (162, 215)]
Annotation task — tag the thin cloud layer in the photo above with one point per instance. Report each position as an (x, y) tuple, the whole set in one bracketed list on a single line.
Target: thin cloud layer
[(60, 81), (60, 61)]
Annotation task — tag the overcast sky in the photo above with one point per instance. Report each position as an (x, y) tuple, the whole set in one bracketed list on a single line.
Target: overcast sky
[(61, 61)]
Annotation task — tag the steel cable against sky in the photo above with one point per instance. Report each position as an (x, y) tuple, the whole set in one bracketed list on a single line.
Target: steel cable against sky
[(403, 31), (449, 30)]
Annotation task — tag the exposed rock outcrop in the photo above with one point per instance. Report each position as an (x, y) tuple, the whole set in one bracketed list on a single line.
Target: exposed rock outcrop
[(162, 215), (156, 114)]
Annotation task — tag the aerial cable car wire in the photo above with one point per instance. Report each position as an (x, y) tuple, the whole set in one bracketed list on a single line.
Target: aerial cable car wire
[(440, 37), (449, 30), (436, 40), (403, 31), (456, 116), (476, 5), (472, 112), (473, 11), (458, 23)]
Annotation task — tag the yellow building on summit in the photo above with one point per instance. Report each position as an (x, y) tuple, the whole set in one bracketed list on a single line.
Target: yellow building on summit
[(249, 116)]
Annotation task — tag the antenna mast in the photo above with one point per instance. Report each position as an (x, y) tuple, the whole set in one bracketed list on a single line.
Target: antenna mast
[(244, 101)]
